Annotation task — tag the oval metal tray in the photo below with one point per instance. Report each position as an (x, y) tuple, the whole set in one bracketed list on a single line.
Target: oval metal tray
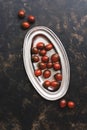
[(29, 67)]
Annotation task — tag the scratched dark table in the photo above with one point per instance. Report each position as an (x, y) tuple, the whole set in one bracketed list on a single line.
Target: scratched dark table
[(21, 107)]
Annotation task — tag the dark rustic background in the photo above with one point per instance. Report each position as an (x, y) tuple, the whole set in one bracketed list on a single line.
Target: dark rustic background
[(21, 108)]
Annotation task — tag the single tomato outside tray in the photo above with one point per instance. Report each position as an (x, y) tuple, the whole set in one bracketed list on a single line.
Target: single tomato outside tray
[(46, 63)]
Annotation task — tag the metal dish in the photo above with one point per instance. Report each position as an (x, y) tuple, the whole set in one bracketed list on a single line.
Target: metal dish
[(29, 67)]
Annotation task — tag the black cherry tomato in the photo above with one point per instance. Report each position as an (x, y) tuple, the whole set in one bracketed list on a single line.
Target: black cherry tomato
[(21, 13), (45, 59), (42, 52), (42, 65), (49, 65), (31, 18), (46, 73), (55, 58), (37, 72), (54, 84), (40, 45), (34, 50), (35, 58), (46, 83), (71, 104), (56, 66), (58, 76), (25, 25), (62, 103), (49, 47)]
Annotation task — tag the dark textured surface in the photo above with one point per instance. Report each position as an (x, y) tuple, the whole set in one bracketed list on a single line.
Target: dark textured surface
[(21, 108)]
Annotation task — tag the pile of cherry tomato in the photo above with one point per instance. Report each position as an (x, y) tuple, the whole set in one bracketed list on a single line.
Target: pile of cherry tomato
[(30, 19), (63, 103), (45, 64)]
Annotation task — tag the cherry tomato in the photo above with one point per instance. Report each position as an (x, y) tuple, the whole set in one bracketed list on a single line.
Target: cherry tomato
[(58, 76), (49, 47), (63, 103), (40, 45), (31, 18), (55, 58), (25, 25), (46, 73), (71, 104), (35, 50), (42, 52), (46, 83), (56, 66), (21, 13), (35, 58), (42, 65), (49, 65), (37, 72), (45, 59), (54, 86)]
